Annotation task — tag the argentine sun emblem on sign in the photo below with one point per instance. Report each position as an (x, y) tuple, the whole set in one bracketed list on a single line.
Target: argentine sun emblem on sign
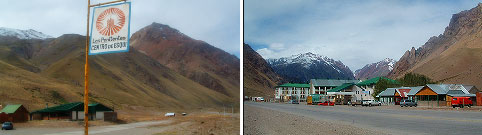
[(110, 29)]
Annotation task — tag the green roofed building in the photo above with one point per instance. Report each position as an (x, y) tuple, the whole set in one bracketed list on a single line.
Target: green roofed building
[(14, 113), (347, 92), (373, 81), (321, 86), (72, 111), (289, 91)]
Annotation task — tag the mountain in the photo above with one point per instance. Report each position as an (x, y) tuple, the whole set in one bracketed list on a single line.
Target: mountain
[(35, 72), (259, 79), (452, 57), (194, 59), (303, 67), (23, 34), (381, 68)]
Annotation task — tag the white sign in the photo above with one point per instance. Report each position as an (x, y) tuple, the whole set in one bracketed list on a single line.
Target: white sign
[(110, 29)]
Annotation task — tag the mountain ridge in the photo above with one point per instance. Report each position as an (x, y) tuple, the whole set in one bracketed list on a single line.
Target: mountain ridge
[(452, 57), (42, 68), (259, 79), (194, 59), (377, 69), (302, 67)]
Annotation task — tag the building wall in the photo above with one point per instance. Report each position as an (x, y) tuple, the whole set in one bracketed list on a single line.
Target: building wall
[(21, 115), (110, 116), (386, 100), (360, 95), (426, 91), (299, 93), (479, 98), (99, 115)]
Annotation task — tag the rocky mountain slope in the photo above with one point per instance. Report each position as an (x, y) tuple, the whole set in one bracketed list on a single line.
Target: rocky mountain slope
[(303, 67), (381, 68), (23, 34), (452, 57), (35, 72), (259, 79), (194, 59)]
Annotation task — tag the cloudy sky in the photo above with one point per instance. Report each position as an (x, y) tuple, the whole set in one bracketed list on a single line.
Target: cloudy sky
[(214, 21), (355, 32)]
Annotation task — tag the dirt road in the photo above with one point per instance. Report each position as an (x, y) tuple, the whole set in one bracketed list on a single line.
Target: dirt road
[(139, 128)]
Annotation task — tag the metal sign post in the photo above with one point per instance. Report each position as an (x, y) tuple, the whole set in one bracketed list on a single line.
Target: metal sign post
[(86, 82)]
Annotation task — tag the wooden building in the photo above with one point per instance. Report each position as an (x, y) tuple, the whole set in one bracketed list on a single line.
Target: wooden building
[(440, 94), (387, 96), (14, 113)]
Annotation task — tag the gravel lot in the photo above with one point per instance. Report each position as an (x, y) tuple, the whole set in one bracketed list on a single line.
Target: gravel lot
[(385, 119), (259, 121)]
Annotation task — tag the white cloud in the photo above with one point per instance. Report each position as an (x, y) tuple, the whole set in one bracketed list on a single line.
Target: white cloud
[(265, 53), (357, 33), (277, 46)]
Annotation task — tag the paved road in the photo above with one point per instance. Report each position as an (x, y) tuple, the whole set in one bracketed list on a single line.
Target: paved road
[(393, 121)]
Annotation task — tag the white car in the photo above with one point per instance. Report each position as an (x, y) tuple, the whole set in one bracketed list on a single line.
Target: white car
[(371, 102)]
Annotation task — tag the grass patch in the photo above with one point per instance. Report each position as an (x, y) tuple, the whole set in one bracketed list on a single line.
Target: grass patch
[(56, 95)]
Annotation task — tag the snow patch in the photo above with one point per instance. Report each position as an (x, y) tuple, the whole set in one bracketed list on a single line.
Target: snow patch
[(23, 34), (306, 59)]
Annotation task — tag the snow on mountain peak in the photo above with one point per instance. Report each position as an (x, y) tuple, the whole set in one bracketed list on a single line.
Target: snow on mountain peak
[(390, 62), (23, 34), (306, 59)]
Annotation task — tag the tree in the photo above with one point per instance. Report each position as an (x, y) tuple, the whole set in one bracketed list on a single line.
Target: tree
[(413, 79), (383, 84)]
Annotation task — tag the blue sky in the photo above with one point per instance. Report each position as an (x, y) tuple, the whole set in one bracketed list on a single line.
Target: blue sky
[(355, 32), (215, 21)]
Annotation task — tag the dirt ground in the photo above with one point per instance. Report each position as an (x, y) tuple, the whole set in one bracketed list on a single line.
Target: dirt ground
[(140, 122), (260, 121), (206, 124)]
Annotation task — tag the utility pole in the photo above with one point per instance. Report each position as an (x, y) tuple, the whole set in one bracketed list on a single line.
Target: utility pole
[(86, 74)]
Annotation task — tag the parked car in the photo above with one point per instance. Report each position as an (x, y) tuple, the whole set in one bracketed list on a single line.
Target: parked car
[(7, 126), (293, 102), (358, 102), (461, 102), (371, 102), (259, 99), (327, 103), (407, 103)]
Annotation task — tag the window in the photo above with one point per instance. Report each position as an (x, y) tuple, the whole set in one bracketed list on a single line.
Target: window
[(455, 98)]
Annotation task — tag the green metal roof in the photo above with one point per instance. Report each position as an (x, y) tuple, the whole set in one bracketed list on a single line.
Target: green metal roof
[(74, 106), (341, 87), (375, 80), (98, 107), (299, 85), (330, 82), (11, 108)]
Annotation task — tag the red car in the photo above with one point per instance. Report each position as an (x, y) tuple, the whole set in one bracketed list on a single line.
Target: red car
[(326, 103), (461, 102)]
